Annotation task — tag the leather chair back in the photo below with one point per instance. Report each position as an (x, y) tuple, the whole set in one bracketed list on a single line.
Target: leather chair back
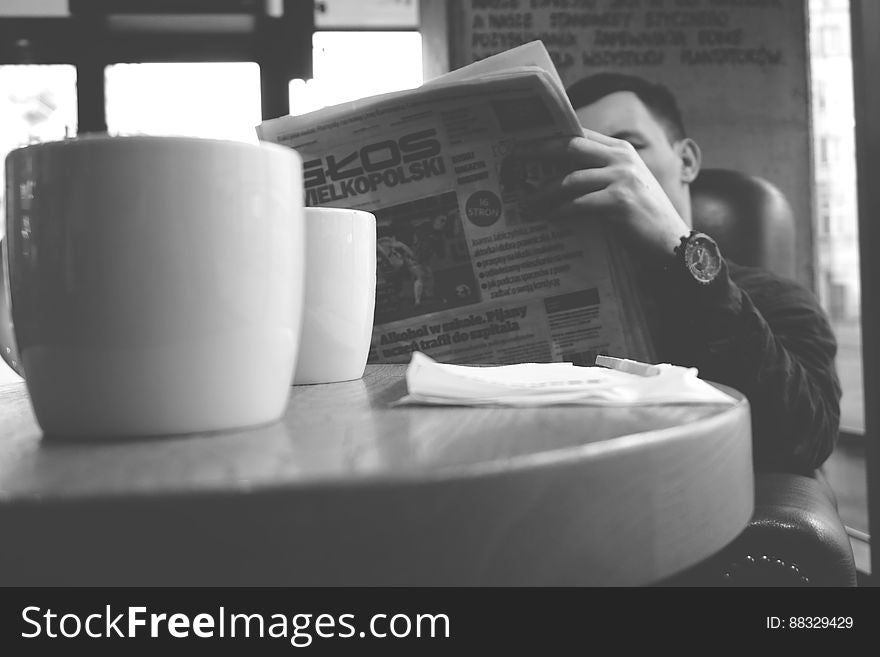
[(748, 216)]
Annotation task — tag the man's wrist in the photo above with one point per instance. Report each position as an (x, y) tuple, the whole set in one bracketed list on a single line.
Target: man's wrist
[(695, 272)]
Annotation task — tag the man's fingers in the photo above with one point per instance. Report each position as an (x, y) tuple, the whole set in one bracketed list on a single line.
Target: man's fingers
[(570, 186), (571, 152), (599, 204), (598, 137)]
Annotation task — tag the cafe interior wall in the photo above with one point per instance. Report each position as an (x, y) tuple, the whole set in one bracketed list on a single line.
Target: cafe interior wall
[(739, 70)]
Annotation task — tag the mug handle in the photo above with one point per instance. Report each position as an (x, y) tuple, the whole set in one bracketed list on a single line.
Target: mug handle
[(8, 349)]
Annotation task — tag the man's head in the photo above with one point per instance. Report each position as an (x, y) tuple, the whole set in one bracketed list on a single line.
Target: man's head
[(647, 116)]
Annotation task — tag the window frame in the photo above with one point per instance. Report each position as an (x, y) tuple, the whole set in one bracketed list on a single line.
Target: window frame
[(89, 40)]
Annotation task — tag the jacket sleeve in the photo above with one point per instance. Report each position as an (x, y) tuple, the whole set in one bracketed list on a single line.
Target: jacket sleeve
[(769, 338)]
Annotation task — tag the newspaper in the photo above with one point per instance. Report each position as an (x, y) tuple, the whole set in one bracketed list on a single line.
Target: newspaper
[(466, 272)]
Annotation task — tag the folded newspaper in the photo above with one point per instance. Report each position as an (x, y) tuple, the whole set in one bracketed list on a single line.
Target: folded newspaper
[(467, 272), (543, 384)]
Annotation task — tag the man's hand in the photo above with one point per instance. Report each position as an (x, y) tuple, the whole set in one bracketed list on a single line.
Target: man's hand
[(605, 178)]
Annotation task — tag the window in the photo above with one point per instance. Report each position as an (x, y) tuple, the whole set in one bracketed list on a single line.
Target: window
[(360, 49), (220, 100), (837, 256), (837, 232), (823, 209), (34, 8), (37, 103), (830, 149), (341, 59), (366, 15), (830, 40)]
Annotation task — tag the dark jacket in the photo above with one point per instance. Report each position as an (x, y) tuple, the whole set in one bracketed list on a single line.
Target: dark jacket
[(768, 338)]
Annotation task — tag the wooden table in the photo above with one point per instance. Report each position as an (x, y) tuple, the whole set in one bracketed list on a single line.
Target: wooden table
[(349, 489)]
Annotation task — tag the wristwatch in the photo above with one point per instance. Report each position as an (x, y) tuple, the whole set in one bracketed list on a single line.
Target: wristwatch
[(698, 258)]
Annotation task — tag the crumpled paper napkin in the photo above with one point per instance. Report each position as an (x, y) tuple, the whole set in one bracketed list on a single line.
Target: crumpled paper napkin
[(624, 383)]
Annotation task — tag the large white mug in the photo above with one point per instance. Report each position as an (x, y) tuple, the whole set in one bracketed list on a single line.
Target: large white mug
[(155, 283), (340, 295)]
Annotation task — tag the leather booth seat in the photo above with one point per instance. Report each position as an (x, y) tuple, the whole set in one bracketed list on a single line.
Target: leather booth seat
[(748, 216)]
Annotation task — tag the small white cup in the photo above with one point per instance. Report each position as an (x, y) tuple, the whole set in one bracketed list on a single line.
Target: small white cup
[(340, 295), (155, 283)]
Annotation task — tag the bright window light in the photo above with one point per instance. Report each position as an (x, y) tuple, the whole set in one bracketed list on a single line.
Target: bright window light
[(37, 104), (352, 65), (219, 100)]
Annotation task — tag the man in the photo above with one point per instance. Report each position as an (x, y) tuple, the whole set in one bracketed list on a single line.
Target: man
[(743, 327)]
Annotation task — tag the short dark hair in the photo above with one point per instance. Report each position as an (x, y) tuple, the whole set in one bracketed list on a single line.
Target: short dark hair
[(657, 98)]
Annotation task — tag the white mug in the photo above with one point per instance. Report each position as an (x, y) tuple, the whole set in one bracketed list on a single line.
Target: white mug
[(340, 295), (155, 283)]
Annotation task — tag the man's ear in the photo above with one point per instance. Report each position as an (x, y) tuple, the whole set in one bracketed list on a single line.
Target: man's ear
[(691, 158)]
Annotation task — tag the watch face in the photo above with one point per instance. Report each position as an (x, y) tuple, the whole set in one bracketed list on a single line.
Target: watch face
[(702, 258)]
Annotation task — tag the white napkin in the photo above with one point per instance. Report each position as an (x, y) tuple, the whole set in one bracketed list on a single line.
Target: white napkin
[(538, 384)]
